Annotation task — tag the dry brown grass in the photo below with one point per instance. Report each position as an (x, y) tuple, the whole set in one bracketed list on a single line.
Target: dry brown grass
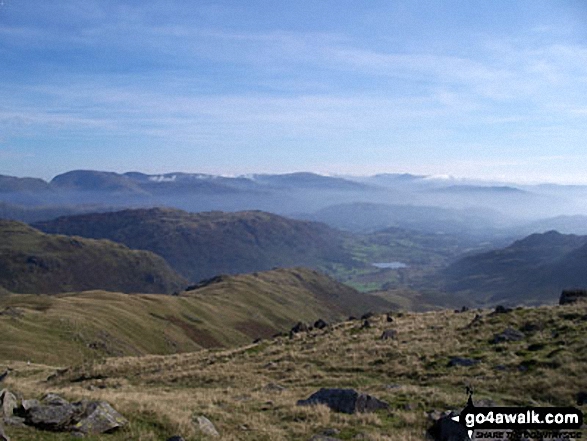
[(236, 389)]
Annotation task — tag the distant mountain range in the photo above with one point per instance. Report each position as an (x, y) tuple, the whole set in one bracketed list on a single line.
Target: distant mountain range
[(35, 262), (285, 194)]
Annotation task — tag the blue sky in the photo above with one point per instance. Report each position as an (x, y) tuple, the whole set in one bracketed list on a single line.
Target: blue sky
[(488, 89)]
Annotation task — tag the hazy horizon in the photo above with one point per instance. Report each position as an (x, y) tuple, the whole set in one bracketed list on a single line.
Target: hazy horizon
[(486, 91)]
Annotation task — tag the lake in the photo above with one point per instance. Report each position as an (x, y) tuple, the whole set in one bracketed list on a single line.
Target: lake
[(390, 265)]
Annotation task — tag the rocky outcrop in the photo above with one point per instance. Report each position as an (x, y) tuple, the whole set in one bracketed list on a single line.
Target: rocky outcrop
[(345, 400), (569, 296), (446, 429), (56, 414)]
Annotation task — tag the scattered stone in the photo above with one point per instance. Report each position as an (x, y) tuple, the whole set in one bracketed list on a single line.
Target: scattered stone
[(367, 316), (569, 296), (366, 324), (389, 334), (274, 387), (581, 398), (445, 429), (460, 361), (323, 438), (257, 340), (509, 334), (299, 327), (320, 324), (175, 438), (344, 400), (9, 403), (330, 432), (500, 309), (388, 318), (206, 427), (351, 318)]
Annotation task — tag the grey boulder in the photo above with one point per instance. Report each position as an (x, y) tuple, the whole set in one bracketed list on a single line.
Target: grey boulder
[(344, 400)]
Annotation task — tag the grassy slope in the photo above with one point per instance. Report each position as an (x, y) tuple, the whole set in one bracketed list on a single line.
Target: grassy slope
[(203, 245), (531, 270), (161, 394), (235, 310), (34, 262)]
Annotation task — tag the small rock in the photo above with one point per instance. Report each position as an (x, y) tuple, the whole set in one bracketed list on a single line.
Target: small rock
[(366, 324), (274, 387), (389, 334), (299, 327), (388, 318), (320, 324), (509, 334), (206, 426), (581, 398), (459, 361), (367, 316), (323, 438), (344, 400), (175, 438), (99, 417)]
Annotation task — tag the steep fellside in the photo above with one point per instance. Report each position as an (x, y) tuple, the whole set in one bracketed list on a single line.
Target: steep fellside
[(225, 312), (531, 270), (203, 245), (35, 262)]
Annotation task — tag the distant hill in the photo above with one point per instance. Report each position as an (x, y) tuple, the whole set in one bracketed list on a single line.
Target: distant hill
[(13, 184), (35, 262), (203, 245), (225, 312), (531, 270)]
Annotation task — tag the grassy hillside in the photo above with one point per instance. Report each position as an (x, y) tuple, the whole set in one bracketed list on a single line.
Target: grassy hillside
[(203, 245), (35, 262), (531, 270), (231, 310), (249, 393)]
